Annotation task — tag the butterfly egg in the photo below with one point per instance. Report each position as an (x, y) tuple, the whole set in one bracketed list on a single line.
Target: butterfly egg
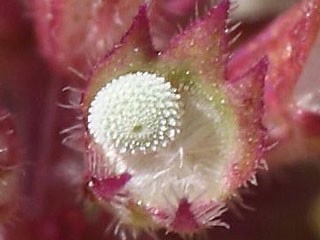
[(135, 113)]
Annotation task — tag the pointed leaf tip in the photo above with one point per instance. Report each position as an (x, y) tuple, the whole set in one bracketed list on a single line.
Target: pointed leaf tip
[(201, 47), (134, 52), (184, 221), (288, 42), (246, 94), (163, 13), (108, 187), (203, 36)]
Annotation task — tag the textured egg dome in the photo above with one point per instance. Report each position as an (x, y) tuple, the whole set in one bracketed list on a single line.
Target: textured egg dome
[(138, 112)]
